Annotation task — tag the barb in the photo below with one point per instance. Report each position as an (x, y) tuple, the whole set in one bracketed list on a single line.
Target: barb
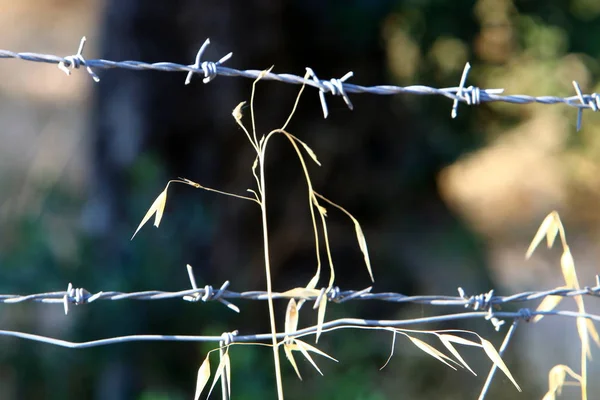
[(75, 61), (209, 68), (468, 95)]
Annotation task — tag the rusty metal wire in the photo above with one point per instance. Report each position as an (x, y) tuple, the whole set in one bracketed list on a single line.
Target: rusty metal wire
[(470, 95)]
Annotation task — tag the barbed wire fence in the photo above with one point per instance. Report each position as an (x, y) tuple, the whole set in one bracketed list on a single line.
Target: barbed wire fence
[(470, 95), (486, 305)]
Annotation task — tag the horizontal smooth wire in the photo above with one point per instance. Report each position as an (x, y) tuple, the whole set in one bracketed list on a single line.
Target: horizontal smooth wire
[(338, 323)]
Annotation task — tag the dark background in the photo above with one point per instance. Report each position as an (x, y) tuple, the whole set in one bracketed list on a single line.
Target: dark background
[(443, 203)]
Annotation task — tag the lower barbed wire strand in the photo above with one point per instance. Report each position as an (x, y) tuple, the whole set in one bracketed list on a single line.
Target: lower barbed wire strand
[(343, 323)]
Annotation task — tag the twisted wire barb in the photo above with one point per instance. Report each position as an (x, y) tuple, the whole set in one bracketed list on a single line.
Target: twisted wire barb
[(470, 95)]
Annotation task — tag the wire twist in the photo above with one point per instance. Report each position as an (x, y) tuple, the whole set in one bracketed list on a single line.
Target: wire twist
[(208, 67), (77, 60)]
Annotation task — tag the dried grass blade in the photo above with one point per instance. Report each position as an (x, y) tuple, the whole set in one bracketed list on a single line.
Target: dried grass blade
[(556, 379), (359, 234), (567, 265), (543, 230), (291, 317), (157, 207), (237, 112), (363, 247), (287, 348), (392, 351), (582, 330), (203, 376), (310, 151), (300, 347), (455, 353), (321, 316), (301, 293), (493, 355), (549, 396), (552, 233), (227, 369), (313, 349), (592, 331), (218, 374), (460, 340), (432, 351)]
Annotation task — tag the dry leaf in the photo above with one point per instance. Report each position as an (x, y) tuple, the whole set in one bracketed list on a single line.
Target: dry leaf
[(460, 340), (363, 247), (203, 377), (556, 378), (299, 346), (314, 349), (237, 112), (313, 283), (548, 304), (391, 352), (301, 293), (582, 330), (552, 232), (454, 352), (321, 316), (548, 227), (291, 318), (549, 396), (310, 152), (592, 331), (310, 348), (359, 234), (287, 348), (157, 207), (568, 269), (493, 355), (227, 369), (432, 351), (219, 372)]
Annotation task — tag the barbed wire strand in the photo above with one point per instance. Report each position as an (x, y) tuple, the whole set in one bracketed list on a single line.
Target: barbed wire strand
[(80, 296), (482, 305), (470, 95)]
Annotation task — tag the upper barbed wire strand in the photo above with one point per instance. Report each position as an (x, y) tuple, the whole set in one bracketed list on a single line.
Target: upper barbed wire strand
[(467, 95)]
